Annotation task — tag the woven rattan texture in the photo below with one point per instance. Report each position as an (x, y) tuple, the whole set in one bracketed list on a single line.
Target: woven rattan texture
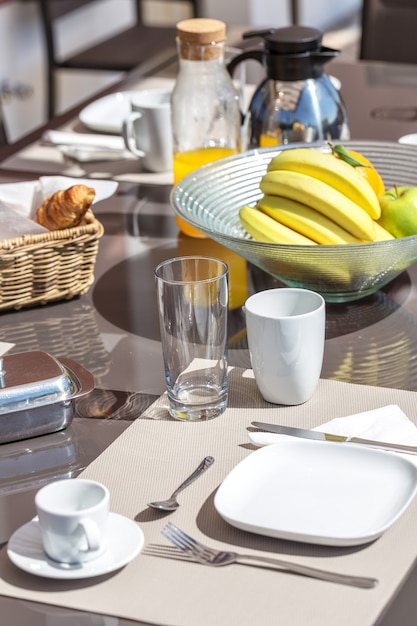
[(58, 265)]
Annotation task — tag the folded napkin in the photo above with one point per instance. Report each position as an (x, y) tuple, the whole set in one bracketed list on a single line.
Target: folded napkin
[(27, 196), (387, 423), (88, 146), (62, 138), (5, 346)]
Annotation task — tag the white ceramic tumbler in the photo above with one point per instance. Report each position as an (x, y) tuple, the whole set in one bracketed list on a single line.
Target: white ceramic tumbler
[(286, 332)]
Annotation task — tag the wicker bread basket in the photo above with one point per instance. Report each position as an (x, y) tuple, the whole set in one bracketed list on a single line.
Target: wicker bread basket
[(42, 268)]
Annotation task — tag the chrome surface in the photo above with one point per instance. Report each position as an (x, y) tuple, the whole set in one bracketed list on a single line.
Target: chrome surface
[(32, 379), (37, 394), (297, 101)]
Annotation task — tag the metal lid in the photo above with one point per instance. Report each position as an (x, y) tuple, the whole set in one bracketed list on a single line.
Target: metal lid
[(293, 40), (33, 379), (291, 53)]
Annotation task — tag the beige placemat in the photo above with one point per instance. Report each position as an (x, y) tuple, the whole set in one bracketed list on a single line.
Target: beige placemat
[(154, 455)]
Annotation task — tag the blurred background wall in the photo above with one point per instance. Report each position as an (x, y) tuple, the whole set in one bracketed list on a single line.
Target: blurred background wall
[(324, 14), (22, 58)]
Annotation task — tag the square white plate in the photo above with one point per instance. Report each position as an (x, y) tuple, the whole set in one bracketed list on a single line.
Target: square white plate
[(317, 492)]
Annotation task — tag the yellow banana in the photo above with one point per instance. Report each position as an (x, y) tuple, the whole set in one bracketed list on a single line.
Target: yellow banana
[(265, 228), (322, 197), (305, 220), (335, 172), (381, 234)]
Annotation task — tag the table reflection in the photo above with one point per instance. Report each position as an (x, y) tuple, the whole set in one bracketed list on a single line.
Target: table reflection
[(114, 331)]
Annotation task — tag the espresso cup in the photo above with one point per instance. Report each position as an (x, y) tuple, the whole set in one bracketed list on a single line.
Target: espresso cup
[(73, 519), (147, 130), (286, 333)]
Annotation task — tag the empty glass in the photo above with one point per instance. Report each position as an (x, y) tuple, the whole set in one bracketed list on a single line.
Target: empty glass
[(193, 302)]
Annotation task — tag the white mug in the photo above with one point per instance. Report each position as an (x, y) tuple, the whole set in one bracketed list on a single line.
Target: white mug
[(73, 519), (286, 333), (147, 130)]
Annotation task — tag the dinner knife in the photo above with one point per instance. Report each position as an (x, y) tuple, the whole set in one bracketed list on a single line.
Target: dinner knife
[(319, 436)]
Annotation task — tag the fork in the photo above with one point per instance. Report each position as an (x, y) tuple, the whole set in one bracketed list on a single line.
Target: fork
[(217, 558)]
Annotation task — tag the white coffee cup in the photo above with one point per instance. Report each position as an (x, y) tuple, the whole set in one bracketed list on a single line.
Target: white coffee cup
[(286, 333), (147, 130), (73, 519)]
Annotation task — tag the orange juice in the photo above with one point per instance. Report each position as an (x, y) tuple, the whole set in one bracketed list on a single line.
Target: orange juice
[(238, 283), (186, 162), (266, 141), (295, 132)]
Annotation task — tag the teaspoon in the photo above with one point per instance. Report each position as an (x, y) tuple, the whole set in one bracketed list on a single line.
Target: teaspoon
[(171, 504)]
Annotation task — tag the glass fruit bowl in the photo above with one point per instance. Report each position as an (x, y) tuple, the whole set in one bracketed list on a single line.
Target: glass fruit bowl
[(210, 198)]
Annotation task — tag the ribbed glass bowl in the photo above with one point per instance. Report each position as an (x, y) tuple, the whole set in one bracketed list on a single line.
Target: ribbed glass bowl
[(210, 198)]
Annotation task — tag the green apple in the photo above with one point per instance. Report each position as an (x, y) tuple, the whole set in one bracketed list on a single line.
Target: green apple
[(399, 211)]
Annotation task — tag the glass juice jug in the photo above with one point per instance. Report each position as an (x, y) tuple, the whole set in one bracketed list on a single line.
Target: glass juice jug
[(206, 119)]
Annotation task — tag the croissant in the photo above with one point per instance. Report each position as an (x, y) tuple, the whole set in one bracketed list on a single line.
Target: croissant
[(65, 208)]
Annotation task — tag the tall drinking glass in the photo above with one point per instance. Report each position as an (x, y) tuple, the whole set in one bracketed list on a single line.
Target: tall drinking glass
[(192, 297)]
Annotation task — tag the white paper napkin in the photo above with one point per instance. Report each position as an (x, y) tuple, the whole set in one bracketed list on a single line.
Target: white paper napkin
[(88, 147), (27, 196), (5, 346), (64, 138), (387, 423)]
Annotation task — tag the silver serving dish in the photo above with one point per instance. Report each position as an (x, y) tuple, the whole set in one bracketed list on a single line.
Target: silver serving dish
[(37, 393)]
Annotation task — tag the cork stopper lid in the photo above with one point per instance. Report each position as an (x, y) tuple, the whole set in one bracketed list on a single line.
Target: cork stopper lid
[(201, 31)]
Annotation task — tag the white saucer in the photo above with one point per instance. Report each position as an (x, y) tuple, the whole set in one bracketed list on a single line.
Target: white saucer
[(409, 139), (25, 550), (106, 114)]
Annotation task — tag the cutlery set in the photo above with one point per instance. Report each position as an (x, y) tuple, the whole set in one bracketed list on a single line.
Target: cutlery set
[(200, 553), (193, 550)]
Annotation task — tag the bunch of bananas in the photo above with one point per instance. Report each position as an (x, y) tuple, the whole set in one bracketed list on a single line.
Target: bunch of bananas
[(311, 197)]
